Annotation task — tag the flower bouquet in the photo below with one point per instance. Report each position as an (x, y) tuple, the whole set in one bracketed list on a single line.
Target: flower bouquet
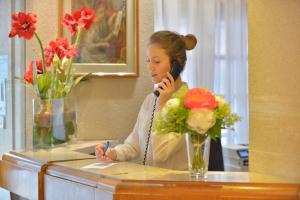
[(201, 115), (52, 77)]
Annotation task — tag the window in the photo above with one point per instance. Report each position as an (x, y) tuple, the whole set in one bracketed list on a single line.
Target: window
[(231, 64), (219, 61)]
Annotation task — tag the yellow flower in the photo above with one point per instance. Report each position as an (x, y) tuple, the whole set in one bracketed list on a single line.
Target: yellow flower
[(221, 101)]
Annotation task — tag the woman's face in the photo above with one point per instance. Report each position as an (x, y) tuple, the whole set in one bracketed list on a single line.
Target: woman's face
[(158, 62)]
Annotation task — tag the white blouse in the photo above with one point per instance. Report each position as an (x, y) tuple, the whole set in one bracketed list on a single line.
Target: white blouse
[(164, 150)]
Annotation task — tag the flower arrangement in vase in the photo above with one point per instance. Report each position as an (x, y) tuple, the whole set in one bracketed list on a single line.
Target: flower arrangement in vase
[(52, 77), (200, 115)]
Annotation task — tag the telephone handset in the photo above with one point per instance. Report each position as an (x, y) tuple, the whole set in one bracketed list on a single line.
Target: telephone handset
[(176, 68)]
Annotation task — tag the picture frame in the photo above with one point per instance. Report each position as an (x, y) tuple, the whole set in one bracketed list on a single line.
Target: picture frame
[(110, 47)]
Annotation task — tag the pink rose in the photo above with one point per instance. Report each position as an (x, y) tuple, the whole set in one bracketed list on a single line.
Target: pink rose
[(198, 98)]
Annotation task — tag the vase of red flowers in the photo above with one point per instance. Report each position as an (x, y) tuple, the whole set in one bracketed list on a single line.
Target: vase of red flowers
[(52, 77)]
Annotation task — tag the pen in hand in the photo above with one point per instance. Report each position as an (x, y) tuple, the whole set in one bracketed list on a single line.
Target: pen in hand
[(105, 148)]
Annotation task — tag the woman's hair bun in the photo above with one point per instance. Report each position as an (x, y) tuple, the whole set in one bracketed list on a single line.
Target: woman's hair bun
[(190, 41)]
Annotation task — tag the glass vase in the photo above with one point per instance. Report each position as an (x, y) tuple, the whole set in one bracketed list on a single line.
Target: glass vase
[(54, 122), (198, 147)]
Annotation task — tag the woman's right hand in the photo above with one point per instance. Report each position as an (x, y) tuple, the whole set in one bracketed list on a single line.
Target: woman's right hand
[(166, 89), (110, 153)]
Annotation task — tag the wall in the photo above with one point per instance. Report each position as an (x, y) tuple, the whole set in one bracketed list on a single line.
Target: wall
[(107, 107), (274, 68)]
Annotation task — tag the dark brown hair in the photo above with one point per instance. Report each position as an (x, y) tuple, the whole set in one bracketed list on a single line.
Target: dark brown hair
[(174, 44)]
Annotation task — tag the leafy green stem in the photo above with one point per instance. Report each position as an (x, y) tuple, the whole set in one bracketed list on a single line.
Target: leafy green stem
[(42, 51), (71, 61), (198, 163), (53, 80)]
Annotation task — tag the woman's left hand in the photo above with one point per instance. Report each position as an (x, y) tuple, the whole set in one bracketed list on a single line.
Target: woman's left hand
[(166, 88)]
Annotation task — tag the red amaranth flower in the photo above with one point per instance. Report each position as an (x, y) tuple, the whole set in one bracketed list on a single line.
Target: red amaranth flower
[(198, 98), (87, 17), (61, 48), (80, 18), (23, 25), (71, 23), (28, 76)]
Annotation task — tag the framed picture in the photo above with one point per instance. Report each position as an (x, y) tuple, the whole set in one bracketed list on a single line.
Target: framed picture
[(110, 47)]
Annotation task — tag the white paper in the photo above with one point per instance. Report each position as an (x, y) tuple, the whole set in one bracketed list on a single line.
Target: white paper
[(101, 165)]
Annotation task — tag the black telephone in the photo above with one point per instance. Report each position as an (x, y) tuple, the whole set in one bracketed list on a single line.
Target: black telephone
[(176, 69)]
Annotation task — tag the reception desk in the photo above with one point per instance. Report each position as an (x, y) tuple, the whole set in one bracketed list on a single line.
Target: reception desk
[(63, 173)]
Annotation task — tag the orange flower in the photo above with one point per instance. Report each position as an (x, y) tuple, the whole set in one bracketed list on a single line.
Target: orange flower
[(198, 98)]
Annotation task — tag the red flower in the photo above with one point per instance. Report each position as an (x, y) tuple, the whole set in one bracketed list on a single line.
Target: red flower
[(23, 25), (87, 17), (199, 98), (28, 76), (71, 23), (61, 48), (80, 18)]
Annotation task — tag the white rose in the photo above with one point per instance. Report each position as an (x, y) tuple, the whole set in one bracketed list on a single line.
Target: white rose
[(200, 120), (172, 103)]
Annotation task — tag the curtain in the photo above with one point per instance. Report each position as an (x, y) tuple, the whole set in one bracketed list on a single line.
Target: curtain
[(219, 61)]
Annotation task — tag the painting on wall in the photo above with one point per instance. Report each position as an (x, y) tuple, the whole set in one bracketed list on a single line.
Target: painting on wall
[(110, 47)]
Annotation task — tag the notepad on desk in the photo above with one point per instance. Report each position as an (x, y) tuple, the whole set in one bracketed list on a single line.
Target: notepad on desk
[(101, 165)]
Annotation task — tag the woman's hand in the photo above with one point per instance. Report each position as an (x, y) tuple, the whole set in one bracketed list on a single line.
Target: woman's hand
[(165, 88), (109, 154)]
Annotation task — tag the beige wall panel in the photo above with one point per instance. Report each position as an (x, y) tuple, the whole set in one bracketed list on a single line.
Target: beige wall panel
[(274, 69)]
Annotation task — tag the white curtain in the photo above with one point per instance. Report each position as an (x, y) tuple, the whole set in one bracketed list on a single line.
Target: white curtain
[(219, 61)]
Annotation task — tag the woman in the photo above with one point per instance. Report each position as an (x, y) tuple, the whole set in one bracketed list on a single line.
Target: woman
[(142, 146)]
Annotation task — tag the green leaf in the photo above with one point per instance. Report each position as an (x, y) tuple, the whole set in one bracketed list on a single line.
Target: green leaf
[(175, 118), (56, 62), (68, 86), (78, 79), (215, 131), (181, 92), (71, 83)]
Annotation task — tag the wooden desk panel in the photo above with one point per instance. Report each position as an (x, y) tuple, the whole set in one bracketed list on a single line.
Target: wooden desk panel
[(204, 191), (22, 177), (131, 181), (22, 173), (56, 188)]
